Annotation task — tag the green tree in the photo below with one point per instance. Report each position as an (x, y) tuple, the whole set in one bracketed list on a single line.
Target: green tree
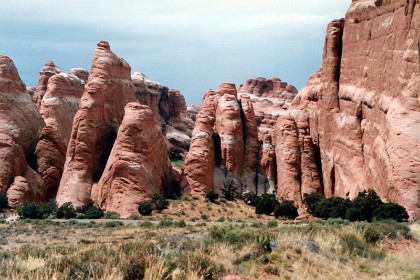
[(311, 200), (94, 213), (390, 211), (333, 207), (212, 196), (229, 190), (66, 211), (251, 198), (4, 202), (365, 204), (145, 208), (267, 204), (30, 210)]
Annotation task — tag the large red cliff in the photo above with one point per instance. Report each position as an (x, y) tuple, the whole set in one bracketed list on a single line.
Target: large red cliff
[(361, 111)]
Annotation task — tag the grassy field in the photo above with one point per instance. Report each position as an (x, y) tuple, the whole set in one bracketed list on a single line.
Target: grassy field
[(169, 248)]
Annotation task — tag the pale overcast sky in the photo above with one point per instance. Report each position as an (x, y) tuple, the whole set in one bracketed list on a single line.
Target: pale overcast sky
[(191, 45)]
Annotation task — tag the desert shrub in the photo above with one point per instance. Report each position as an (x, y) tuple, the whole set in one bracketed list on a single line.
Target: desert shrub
[(180, 223), (145, 208), (80, 216), (311, 200), (66, 211), (159, 202), (230, 190), (94, 213), (379, 230), (146, 224), (166, 223), (4, 203), (358, 247), (113, 224), (266, 204), (367, 202), (251, 198), (390, 211), (286, 209), (212, 196), (231, 234), (114, 215), (272, 224), (337, 221)]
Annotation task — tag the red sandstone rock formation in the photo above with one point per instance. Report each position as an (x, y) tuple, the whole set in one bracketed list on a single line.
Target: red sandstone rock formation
[(108, 90), (20, 125), (201, 159), (361, 110), (235, 135), (60, 103), (138, 164), (270, 99), (49, 70)]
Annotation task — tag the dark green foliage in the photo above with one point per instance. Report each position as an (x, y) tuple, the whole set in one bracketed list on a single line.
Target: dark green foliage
[(159, 202), (251, 198), (33, 210), (86, 207), (390, 211), (212, 196), (266, 204), (379, 230), (145, 208), (66, 211), (229, 190), (366, 202), (333, 207), (286, 209), (353, 214), (4, 203), (30, 210), (311, 200), (94, 213)]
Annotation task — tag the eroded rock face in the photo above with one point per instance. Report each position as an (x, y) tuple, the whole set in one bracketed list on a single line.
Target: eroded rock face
[(60, 103), (234, 137), (108, 90), (201, 158), (20, 125), (138, 164), (169, 108), (270, 99), (361, 110)]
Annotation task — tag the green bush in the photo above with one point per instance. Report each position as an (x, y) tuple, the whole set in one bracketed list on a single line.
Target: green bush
[(230, 191), (31, 210), (4, 202), (113, 224), (86, 207), (66, 211), (112, 215), (145, 208), (180, 223), (390, 211), (251, 198), (333, 207), (212, 196), (272, 224), (166, 223), (286, 209), (231, 234), (267, 204), (94, 213)]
